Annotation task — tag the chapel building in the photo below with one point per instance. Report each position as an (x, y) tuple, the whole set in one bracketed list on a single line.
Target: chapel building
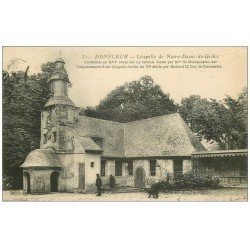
[(74, 148)]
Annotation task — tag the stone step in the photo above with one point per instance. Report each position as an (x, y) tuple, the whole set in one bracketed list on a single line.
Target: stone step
[(114, 190), (123, 190)]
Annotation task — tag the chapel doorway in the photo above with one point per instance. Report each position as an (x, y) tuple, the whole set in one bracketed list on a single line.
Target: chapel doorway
[(139, 178), (81, 176), (26, 182), (54, 181), (178, 168)]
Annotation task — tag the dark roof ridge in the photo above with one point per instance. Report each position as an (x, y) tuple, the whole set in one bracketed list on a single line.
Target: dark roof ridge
[(196, 144), (243, 150), (154, 117), (99, 119), (149, 118)]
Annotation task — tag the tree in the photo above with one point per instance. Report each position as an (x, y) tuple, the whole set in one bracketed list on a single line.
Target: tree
[(133, 101), (23, 99), (222, 121), (237, 113)]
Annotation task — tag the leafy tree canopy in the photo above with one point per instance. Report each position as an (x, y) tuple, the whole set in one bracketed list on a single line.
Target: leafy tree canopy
[(133, 101), (222, 121), (23, 99)]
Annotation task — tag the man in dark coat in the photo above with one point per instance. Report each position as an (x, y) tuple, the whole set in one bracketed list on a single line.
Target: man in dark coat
[(98, 184), (111, 181)]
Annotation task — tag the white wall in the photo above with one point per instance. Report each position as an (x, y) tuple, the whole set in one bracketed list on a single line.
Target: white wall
[(69, 176), (124, 180), (91, 172)]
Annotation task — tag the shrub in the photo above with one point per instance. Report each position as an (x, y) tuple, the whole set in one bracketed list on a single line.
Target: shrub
[(187, 182), (7, 182)]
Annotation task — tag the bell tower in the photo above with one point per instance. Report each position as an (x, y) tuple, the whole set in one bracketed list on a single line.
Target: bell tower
[(59, 112), (59, 83), (59, 80)]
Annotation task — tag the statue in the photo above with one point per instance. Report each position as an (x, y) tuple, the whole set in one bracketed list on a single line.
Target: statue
[(70, 142)]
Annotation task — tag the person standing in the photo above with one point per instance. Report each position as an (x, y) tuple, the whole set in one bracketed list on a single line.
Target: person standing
[(98, 184), (111, 181)]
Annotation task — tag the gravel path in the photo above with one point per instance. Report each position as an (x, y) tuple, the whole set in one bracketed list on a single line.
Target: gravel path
[(227, 194)]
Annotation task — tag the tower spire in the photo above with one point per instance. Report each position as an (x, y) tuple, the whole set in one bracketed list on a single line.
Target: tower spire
[(59, 82)]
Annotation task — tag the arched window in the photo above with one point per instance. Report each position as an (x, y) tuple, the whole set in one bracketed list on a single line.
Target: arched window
[(118, 168), (26, 187), (54, 181)]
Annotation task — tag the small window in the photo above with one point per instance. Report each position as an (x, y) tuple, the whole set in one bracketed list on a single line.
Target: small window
[(178, 167), (130, 167), (103, 163), (92, 164), (153, 167), (54, 136), (118, 168), (44, 139)]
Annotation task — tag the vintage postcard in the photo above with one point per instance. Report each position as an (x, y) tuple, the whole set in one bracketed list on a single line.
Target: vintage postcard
[(125, 123)]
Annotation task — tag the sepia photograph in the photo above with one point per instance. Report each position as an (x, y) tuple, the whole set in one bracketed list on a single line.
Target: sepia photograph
[(124, 125), (134, 124)]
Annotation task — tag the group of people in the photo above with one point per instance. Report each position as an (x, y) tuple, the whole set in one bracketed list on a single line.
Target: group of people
[(99, 183), (152, 191)]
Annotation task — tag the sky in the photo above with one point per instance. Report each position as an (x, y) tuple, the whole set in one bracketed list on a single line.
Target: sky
[(89, 86)]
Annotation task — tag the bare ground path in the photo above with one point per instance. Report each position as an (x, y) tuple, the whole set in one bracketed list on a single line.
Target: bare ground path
[(226, 194)]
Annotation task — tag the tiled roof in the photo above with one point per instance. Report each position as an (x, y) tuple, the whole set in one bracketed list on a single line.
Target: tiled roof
[(89, 144), (166, 135), (220, 153), (111, 133), (42, 158)]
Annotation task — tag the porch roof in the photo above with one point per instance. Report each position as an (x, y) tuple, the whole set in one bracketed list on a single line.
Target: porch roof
[(42, 158), (220, 153)]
